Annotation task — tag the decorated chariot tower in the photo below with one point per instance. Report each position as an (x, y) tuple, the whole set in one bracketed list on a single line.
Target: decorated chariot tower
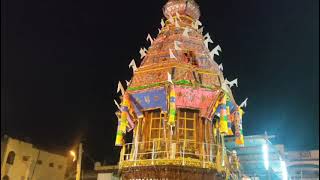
[(178, 105)]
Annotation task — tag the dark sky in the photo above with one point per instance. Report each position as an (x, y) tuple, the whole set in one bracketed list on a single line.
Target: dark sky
[(61, 61)]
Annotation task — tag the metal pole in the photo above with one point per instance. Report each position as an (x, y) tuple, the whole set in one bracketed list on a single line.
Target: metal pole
[(78, 175)]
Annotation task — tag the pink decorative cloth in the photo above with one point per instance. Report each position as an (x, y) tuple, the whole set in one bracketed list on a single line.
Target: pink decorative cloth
[(200, 99)]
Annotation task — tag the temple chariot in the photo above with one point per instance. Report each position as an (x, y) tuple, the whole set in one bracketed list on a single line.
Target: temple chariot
[(178, 106)]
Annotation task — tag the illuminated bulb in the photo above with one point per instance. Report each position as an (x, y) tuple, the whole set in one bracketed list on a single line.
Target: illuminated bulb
[(284, 170), (265, 151), (73, 154)]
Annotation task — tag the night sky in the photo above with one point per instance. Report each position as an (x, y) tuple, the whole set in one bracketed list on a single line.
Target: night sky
[(61, 61)]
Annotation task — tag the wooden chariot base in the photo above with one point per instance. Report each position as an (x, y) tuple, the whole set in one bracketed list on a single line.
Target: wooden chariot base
[(170, 172)]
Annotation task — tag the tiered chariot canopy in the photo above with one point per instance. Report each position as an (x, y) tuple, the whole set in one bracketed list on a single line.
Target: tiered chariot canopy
[(183, 7), (180, 52), (178, 93)]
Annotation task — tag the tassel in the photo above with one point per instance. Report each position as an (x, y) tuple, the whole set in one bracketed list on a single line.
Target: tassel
[(223, 117), (125, 114), (172, 104), (230, 133), (238, 126), (120, 132)]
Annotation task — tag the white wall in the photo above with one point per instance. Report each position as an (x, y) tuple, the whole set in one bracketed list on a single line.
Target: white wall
[(23, 169)]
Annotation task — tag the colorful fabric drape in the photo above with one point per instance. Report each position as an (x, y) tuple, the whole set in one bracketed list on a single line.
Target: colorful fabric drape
[(223, 116), (213, 108), (238, 126), (172, 108), (125, 122), (150, 99), (231, 105), (125, 114), (192, 98), (230, 133), (121, 130), (120, 133)]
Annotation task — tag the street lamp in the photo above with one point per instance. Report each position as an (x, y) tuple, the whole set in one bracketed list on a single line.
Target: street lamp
[(73, 154), (78, 158)]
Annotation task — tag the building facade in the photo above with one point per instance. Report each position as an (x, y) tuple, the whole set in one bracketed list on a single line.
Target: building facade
[(303, 164), (178, 105), (259, 158), (23, 161), (106, 172)]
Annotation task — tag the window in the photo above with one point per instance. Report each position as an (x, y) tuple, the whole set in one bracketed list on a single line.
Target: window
[(186, 123), (153, 129), (25, 158), (197, 77), (6, 177), (39, 162), (10, 158), (186, 58), (51, 165), (194, 61), (156, 130), (60, 167)]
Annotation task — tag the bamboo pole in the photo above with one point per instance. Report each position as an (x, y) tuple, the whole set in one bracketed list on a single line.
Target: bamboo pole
[(78, 175)]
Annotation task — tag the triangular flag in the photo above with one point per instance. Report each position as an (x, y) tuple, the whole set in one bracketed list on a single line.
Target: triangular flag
[(133, 65), (200, 30), (221, 67), (117, 105), (149, 38), (128, 83), (176, 45), (178, 16), (162, 23), (196, 24), (215, 51), (244, 103), (120, 88), (207, 40), (170, 78), (186, 31), (176, 23), (172, 55), (232, 83), (142, 52), (171, 20)]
